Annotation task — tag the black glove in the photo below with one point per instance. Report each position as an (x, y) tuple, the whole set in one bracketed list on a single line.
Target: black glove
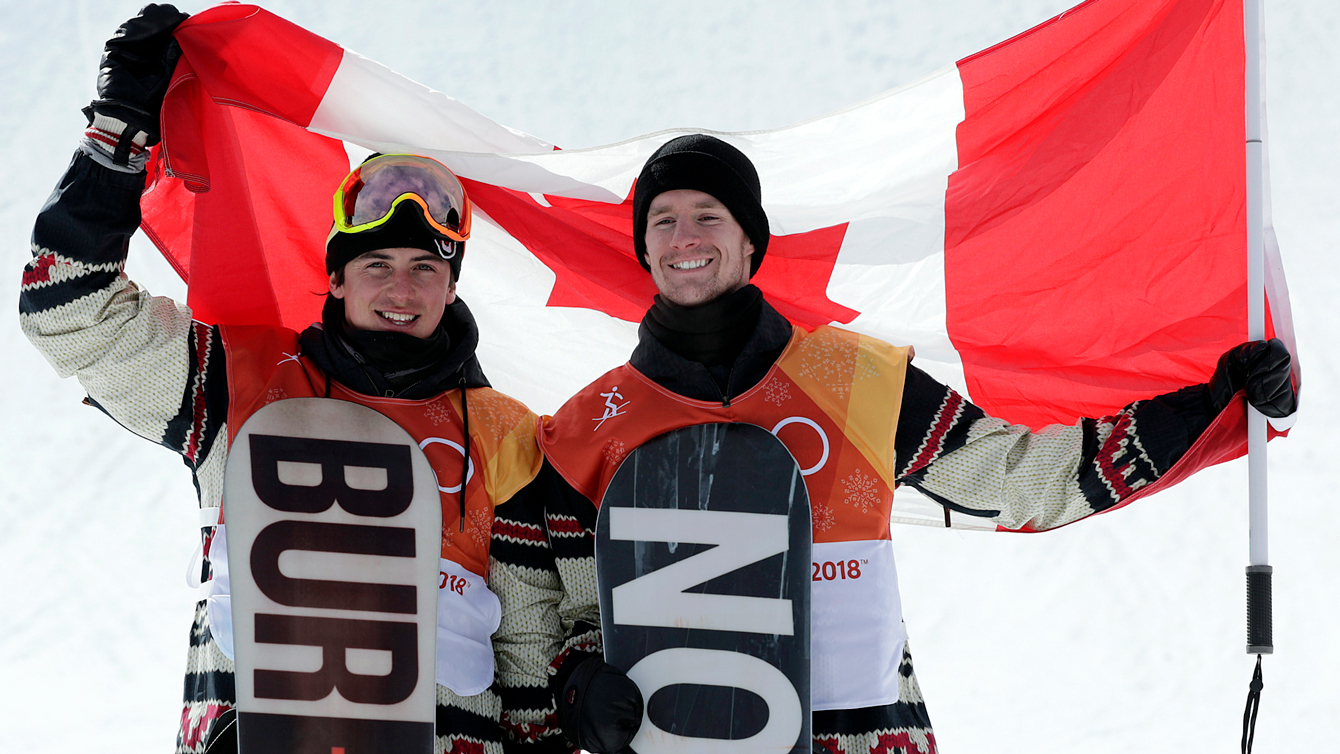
[(1263, 369), (136, 69), (599, 708)]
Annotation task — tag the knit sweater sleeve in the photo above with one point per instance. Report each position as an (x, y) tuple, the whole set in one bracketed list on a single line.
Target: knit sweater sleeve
[(571, 521), (1024, 479), (141, 358), (524, 574)]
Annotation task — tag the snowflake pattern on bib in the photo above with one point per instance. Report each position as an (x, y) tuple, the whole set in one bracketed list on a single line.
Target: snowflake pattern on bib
[(822, 515), (776, 392), (437, 413), (614, 451), (835, 360), (862, 491), (479, 525), (499, 416)]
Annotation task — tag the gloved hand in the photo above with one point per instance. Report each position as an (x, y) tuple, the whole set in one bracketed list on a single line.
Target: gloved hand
[(599, 708), (1263, 369), (136, 69)]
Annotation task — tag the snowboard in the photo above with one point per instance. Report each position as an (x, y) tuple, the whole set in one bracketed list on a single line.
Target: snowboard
[(334, 531), (702, 562)]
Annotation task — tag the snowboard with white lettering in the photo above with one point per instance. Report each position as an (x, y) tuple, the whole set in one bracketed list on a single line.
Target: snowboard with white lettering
[(334, 531), (703, 563)]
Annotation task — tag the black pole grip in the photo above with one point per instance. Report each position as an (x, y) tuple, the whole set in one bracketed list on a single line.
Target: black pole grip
[(1260, 639)]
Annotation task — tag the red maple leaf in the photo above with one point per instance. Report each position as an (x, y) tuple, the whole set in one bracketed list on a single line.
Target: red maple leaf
[(589, 246)]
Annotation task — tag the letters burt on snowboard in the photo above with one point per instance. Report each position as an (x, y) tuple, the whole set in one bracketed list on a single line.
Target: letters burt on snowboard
[(703, 558), (334, 528)]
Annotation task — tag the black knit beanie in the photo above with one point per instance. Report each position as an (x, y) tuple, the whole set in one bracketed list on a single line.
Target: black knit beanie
[(707, 164)]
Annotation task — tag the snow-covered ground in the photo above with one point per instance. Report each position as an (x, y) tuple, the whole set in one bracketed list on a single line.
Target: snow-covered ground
[(1120, 634)]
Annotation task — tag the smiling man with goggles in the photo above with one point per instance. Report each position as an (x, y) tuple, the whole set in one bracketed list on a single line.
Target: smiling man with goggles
[(368, 196), (393, 339)]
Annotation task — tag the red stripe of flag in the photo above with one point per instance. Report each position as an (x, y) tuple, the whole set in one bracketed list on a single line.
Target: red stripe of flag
[(1097, 221), (273, 65), (254, 179)]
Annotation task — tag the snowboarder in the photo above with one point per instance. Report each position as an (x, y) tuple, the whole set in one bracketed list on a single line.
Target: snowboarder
[(860, 420), (393, 335)]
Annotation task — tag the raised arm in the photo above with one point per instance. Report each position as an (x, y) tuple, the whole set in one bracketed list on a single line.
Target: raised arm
[(1022, 479), (141, 358)]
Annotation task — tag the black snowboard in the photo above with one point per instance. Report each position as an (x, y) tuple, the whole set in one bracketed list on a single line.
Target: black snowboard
[(703, 564), (334, 530)]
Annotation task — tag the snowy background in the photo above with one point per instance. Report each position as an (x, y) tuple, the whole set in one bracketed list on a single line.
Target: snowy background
[(1120, 634)]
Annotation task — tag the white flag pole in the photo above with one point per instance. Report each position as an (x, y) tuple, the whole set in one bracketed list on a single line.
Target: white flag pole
[(1259, 639)]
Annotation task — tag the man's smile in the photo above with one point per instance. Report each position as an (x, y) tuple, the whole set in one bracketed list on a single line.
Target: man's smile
[(398, 317), (690, 264)]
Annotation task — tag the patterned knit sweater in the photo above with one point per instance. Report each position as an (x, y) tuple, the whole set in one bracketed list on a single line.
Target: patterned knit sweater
[(146, 363)]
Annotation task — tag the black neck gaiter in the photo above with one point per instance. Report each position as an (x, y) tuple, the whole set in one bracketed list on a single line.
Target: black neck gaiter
[(401, 359), (713, 333)]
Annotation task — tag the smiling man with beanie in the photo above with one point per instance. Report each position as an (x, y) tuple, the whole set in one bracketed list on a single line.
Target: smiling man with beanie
[(393, 335), (712, 349)]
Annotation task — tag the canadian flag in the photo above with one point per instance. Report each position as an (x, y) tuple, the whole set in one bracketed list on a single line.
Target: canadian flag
[(1058, 223)]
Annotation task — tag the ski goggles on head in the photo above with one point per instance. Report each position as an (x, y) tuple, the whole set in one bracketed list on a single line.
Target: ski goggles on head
[(369, 195)]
